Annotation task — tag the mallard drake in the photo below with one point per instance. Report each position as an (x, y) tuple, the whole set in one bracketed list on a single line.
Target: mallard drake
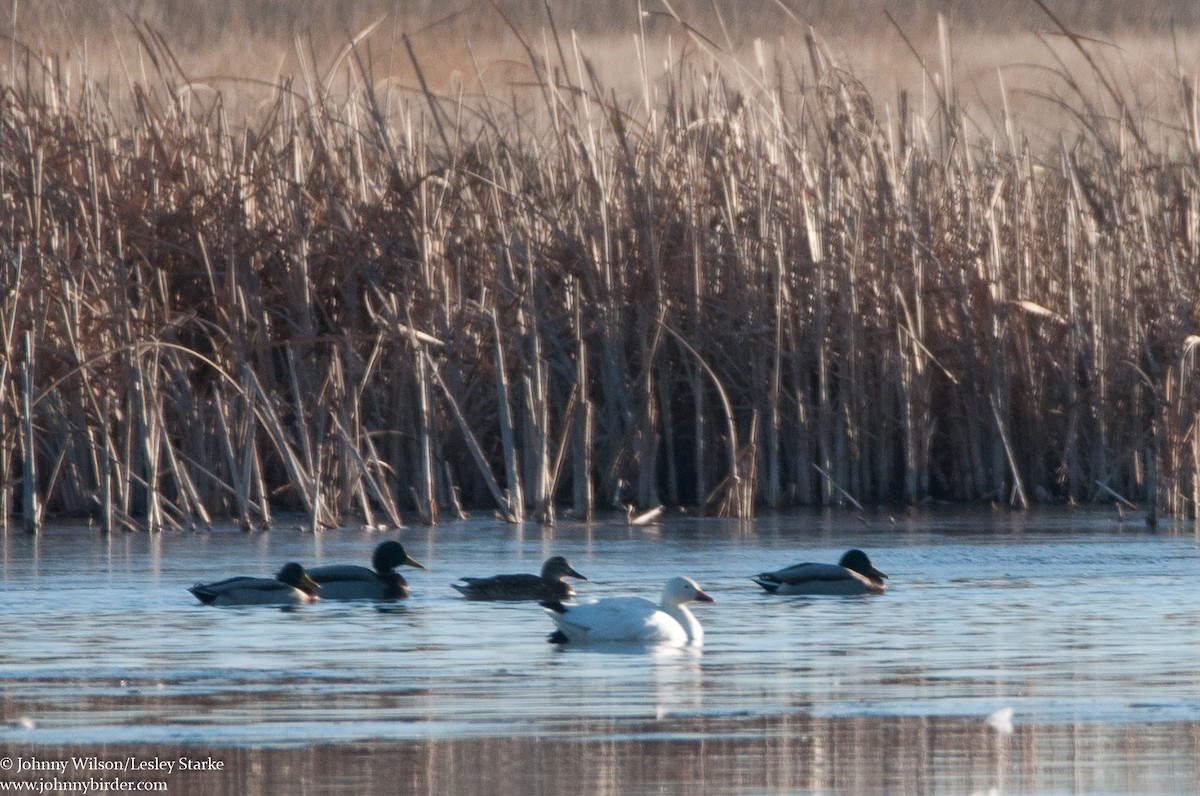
[(547, 586), (632, 620), (853, 574), (291, 586), (352, 582)]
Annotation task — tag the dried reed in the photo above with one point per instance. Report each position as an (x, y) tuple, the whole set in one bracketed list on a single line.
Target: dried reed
[(752, 284)]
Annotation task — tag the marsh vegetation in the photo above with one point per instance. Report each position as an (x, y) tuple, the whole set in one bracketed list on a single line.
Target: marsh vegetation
[(416, 266)]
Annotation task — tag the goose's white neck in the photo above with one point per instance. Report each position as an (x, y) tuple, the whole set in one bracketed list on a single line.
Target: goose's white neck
[(684, 617)]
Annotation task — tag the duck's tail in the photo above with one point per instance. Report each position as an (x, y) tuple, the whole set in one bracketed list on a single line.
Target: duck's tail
[(203, 594), (767, 582), (467, 591)]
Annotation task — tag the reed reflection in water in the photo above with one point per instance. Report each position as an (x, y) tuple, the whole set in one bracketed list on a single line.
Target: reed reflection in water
[(764, 754)]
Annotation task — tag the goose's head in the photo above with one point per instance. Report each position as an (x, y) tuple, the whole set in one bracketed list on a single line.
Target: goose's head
[(683, 590), (390, 555), (557, 568), (857, 560), (294, 575)]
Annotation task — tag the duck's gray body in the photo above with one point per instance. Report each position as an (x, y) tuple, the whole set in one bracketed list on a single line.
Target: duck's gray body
[(352, 582), (290, 586), (853, 574)]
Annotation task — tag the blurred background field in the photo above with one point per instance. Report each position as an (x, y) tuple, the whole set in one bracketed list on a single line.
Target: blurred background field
[(229, 45)]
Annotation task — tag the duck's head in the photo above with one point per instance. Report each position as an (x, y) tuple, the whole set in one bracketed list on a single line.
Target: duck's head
[(390, 555), (857, 560), (682, 590), (557, 568), (294, 575)]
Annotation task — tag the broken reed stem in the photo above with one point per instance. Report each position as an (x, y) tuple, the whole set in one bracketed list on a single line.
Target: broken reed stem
[(426, 502), (733, 477), (31, 512), (837, 487), (104, 455), (1106, 489), (1018, 488), (515, 498), (237, 474), (5, 474), (473, 446), (583, 491)]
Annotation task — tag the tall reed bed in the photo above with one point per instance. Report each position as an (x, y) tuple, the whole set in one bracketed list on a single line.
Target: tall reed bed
[(753, 285)]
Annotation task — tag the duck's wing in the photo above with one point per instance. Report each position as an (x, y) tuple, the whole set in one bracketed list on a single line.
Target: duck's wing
[(771, 581), (797, 573), (349, 582), (342, 572), (231, 584)]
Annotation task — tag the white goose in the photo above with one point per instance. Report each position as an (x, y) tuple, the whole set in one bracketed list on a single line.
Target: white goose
[(853, 574), (632, 620)]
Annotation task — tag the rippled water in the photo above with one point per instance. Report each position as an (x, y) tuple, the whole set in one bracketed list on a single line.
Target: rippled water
[(1069, 619)]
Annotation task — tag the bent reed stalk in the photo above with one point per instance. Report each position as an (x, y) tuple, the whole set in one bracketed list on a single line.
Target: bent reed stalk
[(356, 307)]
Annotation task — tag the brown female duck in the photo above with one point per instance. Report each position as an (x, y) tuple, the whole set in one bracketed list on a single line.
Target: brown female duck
[(547, 586)]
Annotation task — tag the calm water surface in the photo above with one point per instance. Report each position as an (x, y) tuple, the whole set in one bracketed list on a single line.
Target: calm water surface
[(1086, 627)]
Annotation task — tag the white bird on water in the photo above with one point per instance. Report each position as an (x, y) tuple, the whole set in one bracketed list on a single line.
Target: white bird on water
[(633, 620)]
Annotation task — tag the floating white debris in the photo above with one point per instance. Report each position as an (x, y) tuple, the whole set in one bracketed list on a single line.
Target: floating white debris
[(644, 518), (1001, 721)]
